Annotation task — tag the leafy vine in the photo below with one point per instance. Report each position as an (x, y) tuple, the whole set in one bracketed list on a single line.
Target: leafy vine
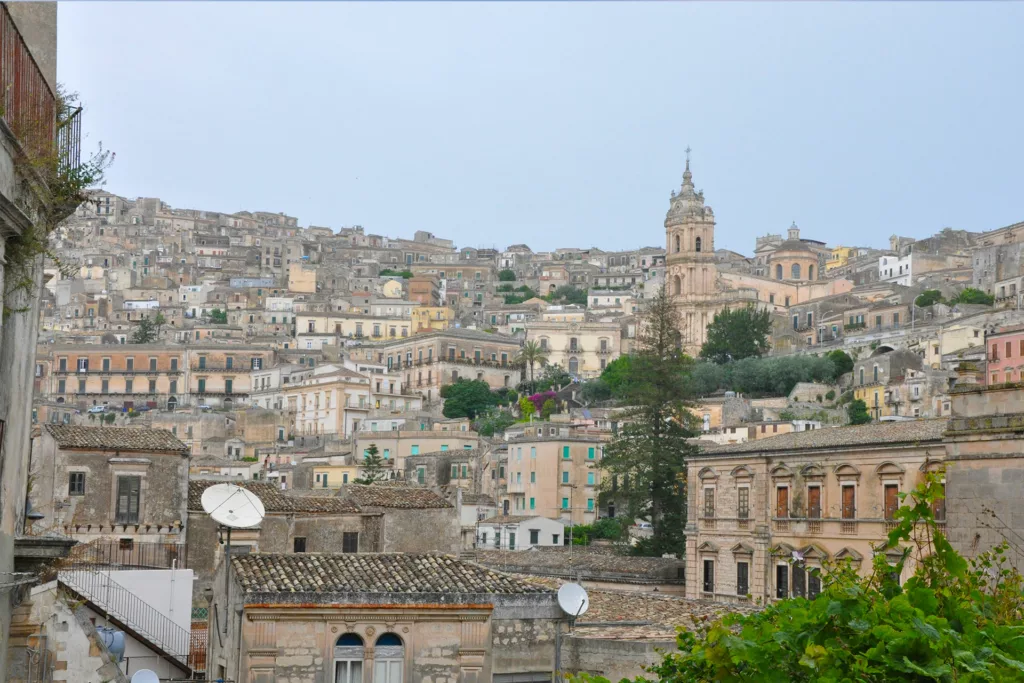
[(58, 190)]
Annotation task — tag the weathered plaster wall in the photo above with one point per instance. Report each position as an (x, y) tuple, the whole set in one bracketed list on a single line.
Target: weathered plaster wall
[(422, 531), (611, 658)]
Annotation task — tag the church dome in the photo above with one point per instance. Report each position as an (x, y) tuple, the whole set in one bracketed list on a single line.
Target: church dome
[(688, 202)]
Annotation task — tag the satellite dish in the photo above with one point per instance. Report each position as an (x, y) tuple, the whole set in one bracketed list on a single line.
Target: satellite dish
[(573, 600), (145, 676), (233, 506)]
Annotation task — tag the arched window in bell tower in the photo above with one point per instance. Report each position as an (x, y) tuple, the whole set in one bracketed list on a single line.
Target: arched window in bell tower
[(677, 244), (677, 285), (696, 244), (778, 271), (810, 272)]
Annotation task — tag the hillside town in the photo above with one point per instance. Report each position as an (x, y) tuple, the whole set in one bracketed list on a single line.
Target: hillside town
[(438, 434)]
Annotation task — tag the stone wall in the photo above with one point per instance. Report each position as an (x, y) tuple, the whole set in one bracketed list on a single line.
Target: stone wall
[(67, 638), (435, 530), (611, 658), (983, 505)]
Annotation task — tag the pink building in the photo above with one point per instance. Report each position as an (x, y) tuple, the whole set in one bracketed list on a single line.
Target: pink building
[(1005, 355)]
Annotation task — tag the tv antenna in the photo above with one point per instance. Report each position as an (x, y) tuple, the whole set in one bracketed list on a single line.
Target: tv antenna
[(232, 507)]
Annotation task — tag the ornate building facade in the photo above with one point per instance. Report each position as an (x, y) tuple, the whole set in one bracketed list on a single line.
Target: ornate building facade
[(692, 277)]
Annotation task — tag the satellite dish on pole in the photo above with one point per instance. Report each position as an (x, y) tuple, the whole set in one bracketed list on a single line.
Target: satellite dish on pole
[(145, 676), (233, 506), (573, 600)]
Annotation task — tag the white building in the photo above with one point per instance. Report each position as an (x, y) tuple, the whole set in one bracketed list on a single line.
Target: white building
[(896, 269), (517, 532)]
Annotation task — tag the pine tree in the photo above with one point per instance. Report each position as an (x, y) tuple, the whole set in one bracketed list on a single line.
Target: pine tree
[(145, 333), (373, 467), (649, 455)]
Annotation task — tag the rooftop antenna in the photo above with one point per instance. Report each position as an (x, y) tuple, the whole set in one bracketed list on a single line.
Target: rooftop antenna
[(232, 507)]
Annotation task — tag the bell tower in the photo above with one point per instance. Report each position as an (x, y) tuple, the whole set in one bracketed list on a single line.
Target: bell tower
[(691, 274)]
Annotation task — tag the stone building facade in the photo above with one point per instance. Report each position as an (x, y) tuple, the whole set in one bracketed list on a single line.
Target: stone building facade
[(825, 494), (388, 618), (110, 483)]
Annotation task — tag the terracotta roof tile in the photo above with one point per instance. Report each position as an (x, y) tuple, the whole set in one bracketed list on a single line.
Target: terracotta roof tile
[(116, 438), (406, 497), (274, 500), (370, 573), (836, 437)]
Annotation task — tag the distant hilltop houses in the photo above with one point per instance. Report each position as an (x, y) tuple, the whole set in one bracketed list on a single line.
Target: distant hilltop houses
[(314, 366)]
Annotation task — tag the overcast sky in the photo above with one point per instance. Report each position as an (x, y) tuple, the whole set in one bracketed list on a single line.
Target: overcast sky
[(562, 124)]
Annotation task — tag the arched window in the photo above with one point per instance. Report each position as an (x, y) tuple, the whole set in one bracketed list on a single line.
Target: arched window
[(677, 244), (677, 285), (388, 658), (796, 271), (696, 244), (876, 373), (574, 366), (348, 659), (810, 272), (172, 403), (778, 271)]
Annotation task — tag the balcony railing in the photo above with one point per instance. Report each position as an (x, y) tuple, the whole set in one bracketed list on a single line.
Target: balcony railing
[(130, 554), (29, 105)]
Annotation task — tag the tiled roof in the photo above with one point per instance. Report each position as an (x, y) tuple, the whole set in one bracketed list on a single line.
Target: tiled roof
[(408, 497), (274, 500), (876, 433), (370, 573), (594, 560), (510, 519), (116, 438)]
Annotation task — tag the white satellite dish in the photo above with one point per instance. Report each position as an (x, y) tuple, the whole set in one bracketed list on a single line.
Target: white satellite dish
[(233, 506), (573, 599), (145, 676)]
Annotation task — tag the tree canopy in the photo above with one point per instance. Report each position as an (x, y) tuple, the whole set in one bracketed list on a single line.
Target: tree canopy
[(145, 332), (928, 297), (650, 451), (971, 295), (568, 294), (373, 466), (506, 275), (467, 398), (737, 334), (858, 412), (218, 316), (841, 360)]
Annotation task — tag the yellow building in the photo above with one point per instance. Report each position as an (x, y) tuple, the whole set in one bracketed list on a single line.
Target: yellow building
[(356, 326), (840, 257), (873, 396), (302, 278), (431, 319), (334, 476), (583, 349), (334, 400)]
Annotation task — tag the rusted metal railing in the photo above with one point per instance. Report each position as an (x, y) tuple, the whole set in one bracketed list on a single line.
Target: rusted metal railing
[(29, 104)]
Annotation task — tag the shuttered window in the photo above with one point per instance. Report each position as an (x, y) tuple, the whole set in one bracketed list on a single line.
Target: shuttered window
[(128, 500)]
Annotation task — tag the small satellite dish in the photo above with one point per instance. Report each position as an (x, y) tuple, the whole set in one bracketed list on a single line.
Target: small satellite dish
[(573, 600), (233, 506), (145, 676)]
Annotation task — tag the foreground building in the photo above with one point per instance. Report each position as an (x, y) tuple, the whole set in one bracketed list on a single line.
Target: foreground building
[(386, 617), (823, 494)]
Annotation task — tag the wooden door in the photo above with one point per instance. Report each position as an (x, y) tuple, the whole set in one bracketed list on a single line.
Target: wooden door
[(814, 502), (782, 501), (849, 499), (892, 500)]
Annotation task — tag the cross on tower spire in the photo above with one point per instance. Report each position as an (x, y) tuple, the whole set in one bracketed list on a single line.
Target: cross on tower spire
[(688, 150)]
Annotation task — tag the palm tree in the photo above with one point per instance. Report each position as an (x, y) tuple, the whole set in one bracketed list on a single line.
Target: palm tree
[(530, 354)]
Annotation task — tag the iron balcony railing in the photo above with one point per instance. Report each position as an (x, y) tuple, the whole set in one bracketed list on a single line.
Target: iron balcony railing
[(130, 554), (29, 105), (123, 606)]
